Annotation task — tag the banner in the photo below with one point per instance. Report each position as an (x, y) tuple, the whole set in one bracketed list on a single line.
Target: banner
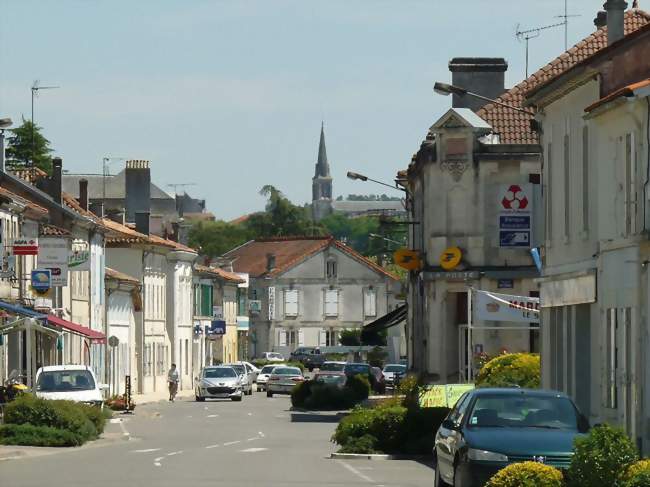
[(80, 256), (490, 306)]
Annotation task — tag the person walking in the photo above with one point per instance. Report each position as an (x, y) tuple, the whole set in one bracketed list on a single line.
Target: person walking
[(173, 378)]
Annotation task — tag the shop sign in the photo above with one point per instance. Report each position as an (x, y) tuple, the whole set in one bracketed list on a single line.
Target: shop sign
[(25, 246), (490, 306), (79, 259), (41, 280), (451, 258), (515, 215), (53, 255)]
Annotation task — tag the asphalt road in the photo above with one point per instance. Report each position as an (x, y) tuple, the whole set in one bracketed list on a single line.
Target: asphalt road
[(257, 442)]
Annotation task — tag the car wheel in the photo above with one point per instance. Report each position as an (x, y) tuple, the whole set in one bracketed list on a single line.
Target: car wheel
[(269, 393), (237, 398), (199, 398)]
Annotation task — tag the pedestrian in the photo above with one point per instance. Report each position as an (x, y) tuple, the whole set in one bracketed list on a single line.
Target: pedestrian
[(172, 379)]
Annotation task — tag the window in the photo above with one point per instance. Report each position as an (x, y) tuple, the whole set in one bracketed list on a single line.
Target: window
[(331, 302), (630, 185), (331, 268), (370, 302), (148, 360), (288, 337), (585, 179), (291, 302), (206, 300), (242, 302), (548, 188), (611, 348), (332, 338), (567, 186), (187, 368)]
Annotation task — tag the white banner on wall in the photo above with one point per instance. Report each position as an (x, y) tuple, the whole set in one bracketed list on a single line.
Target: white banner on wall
[(489, 306), (271, 303), (53, 255)]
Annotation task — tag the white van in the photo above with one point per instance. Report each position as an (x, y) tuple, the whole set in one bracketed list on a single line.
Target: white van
[(69, 382)]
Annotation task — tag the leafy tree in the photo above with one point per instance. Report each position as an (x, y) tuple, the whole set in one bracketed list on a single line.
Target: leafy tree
[(21, 151), (217, 238), (355, 232), (350, 338)]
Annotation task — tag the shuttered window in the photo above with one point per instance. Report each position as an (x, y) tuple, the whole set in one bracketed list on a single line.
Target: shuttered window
[(206, 300), (370, 302), (291, 302), (331, 302)]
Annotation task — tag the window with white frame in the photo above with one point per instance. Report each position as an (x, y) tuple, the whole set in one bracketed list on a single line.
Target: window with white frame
[(331, 338), (370, 302), (630, 185), (290, 302), (331, 302), (289, 337), (332, 268)]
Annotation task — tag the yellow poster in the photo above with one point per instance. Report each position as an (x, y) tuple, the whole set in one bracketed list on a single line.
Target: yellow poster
[(443, 395)]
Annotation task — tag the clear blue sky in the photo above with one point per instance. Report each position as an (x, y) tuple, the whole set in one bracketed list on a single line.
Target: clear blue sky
[(229, 94)]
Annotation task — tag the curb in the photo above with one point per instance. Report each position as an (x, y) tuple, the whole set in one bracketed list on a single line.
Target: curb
[(377, 456), (12, 455)]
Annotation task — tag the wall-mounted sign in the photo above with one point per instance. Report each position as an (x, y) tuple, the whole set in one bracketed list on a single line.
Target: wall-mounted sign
[(217, 312), (407, 259), (54, 254), (217, 327), (79, 256), (451, 258), (490, 306), (451, 276), (41, 280), (505, 283), (515, 215), (271, 303), (25, 246)]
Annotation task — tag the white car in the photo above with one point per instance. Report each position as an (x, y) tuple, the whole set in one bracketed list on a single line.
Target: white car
[(245, 379), (263, 376), (252, 371), (219, 382), (392, 370), (283, 379), (69, 382), (273, 357)]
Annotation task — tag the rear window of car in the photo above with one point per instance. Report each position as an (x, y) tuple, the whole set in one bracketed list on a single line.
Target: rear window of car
[(353, 369), (267, 369), (394, 368), (332, 366), (287, 371)]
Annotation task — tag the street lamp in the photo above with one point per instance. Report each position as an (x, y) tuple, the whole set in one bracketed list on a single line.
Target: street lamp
[(5, 123), (446, 89), (374, 235), (361, 177)]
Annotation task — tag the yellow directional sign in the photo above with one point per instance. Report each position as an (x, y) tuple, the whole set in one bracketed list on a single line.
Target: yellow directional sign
[(450, 258), (407, 259)]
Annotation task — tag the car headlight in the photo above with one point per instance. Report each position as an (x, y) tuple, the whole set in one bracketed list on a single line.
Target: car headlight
[(486, 456)]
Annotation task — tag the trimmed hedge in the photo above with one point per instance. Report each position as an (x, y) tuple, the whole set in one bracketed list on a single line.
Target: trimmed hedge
[(637, 474), (527, 474), (317, 396), (601, 458), (511, 370), (30, 435)]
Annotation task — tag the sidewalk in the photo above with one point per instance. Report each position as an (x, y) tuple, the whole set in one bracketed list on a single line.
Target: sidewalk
[(158, 396)]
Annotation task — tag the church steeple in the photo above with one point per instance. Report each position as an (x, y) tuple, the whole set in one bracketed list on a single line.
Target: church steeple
[(322, 182)]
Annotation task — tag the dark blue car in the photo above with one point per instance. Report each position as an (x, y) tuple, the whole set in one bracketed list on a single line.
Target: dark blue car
[(491, 428)]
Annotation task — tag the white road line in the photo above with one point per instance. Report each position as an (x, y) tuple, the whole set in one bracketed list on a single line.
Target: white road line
[(253, 439), (232, 443), (148, 450), (123, 428), (361, 475), (213, 415), (253, 450), (174, 453), (250, 414), (211, 446), (261, 434)]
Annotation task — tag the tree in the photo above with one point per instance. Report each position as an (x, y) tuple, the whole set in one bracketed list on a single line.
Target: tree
[(355, 232), (21, 151), (217, 238), (350, 338)]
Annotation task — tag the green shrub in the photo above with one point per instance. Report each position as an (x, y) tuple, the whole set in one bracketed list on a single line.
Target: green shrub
[(353, 426), (328, 396), (409, 388), (97, 416), (637, 474), (30, 435), (601, 458), (337, 357), (260, 362), (300, 393), (365, 445), (358, 387), (526, 474), (421, 426), (388, 426), (511, 370)]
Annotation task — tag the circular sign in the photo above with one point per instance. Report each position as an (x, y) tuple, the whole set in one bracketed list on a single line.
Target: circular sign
[(407, 259), (113, 341), (450, 258)]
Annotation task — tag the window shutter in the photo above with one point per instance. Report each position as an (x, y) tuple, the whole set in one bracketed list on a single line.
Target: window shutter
[(370, 302), (331, 302), (322, 338), (301, 338), (291, 302), (282, 337)]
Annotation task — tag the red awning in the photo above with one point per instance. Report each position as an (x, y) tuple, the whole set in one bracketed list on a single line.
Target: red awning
[(93, 335)]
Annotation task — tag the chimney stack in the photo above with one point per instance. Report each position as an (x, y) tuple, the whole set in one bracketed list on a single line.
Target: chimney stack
[(83, 193), (615, 20), (137, 188), (483, 76), (55, 183), (601, 19), (142, 222), (270, 262)]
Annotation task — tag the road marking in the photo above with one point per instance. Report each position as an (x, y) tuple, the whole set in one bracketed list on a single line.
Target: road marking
[(211, 446), (361, 475), (213, 415), (157, 461), (123, 428), (148, 450), (174, 453), (253, 450), (253, 439), (250, 414), (261, 434), (232, 443)]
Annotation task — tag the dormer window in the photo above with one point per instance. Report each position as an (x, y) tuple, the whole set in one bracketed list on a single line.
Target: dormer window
[(332, 268)]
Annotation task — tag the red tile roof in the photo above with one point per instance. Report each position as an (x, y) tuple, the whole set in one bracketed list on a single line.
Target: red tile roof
[(289, 252), (220, 273), (34, 210), (514, 127), (119, 276), (54, 231), (625, 91)]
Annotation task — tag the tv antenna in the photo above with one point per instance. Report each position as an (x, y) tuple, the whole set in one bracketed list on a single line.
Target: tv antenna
[(36, 88), (566, 18), (527, 35)]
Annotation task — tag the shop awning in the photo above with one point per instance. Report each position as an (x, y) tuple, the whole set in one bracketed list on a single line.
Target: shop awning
[(395, 317), (26, 324), (20, 310), (75, 328)]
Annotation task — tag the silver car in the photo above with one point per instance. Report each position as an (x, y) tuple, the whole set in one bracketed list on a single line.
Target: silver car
[(246, 378), (391, 371), (283, 379), (263, 376), (219, 382), (252, 371)]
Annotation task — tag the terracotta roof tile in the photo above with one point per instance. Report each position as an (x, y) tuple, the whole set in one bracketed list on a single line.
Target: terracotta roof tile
[(54, 231), (119, 276), (514, 127), (220, 273)]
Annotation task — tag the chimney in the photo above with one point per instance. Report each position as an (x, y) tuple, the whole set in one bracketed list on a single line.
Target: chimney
[(83, 193), (142, 222), (615, 20), (601, 19), (116, 215), (270, 262), (55, 183), (137, 188), (483, 76), (97, 208)]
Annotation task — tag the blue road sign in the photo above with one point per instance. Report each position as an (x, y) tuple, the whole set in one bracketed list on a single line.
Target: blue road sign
[(514, 239), (514, 222)]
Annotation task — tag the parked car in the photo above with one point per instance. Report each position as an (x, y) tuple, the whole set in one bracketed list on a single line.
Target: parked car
[(310, 357), (351, 369), (69, 382), (219, 382), (335, 378), (491, 428), (391, 371), (263, 376), (283, 379), (332, 366), (246, 381), (273, 357), (253, 371), (379, 383)]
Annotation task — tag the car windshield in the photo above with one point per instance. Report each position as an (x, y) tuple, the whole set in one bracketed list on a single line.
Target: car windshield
[(395, 368), (521, 411), (221, 372), (65, 380), (239, 368), (330, 379), (332, 366), (354, 369), (287, 371), (267, 369)]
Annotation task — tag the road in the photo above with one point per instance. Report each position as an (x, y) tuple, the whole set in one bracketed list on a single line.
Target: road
[(258, 442)]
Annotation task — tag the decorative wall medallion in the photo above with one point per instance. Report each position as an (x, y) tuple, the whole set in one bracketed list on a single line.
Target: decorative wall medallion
[(455, 168)]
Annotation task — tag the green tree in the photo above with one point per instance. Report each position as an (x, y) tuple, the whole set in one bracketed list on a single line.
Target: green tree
[(21, 151), (355, 232), (217, 238)]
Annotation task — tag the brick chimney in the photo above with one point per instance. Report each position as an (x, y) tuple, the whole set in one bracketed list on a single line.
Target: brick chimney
[(137, 188), (270, 262), (55, 182), (83, 193), (142, 222), (615, 20), (483, 76)]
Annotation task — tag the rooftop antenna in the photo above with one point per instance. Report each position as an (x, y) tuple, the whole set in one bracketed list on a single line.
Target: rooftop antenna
[(36, 87), (526, 35), (566, 17)]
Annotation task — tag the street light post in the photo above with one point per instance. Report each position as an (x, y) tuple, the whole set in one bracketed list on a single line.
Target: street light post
[(360, 177), (446, 89)]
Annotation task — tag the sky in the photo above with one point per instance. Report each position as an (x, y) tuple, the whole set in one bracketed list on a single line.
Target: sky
[(229, 95)]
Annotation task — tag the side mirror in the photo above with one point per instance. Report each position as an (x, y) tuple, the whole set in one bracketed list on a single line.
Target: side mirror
[(449, 425)]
